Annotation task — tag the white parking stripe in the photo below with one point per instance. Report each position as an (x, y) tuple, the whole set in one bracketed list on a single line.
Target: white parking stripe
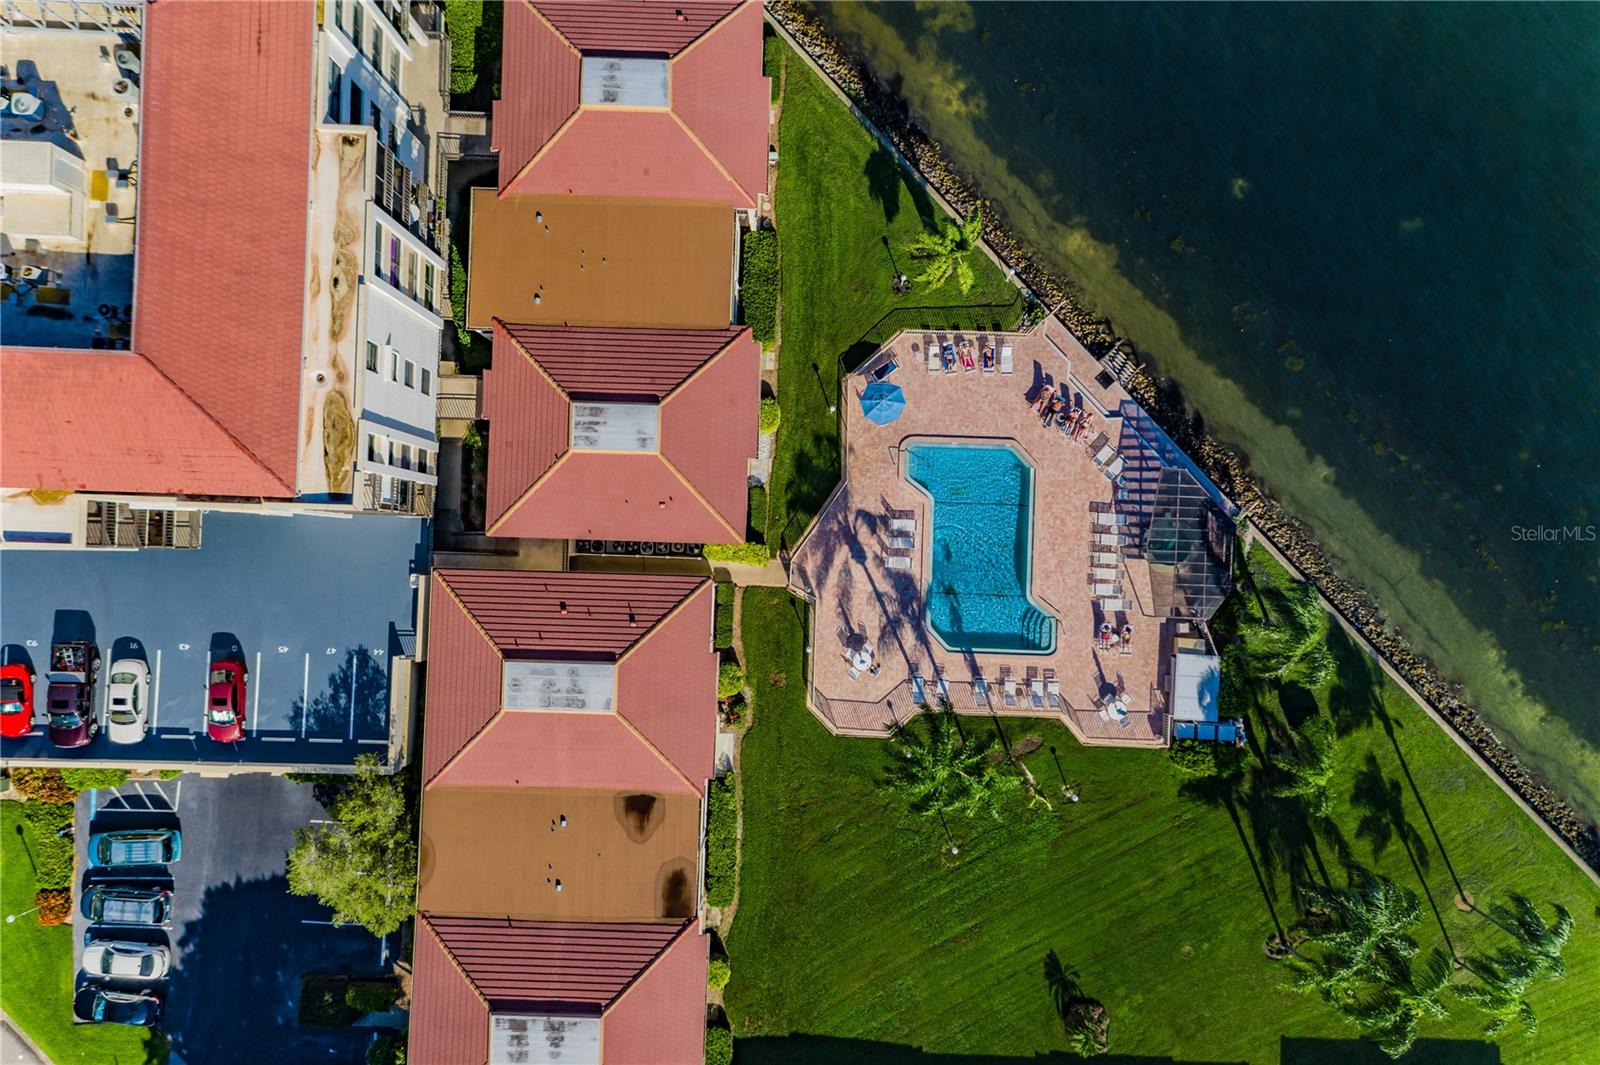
[(373, 741), (325, 739), (276, 739), (177, 799), (255, 706), (179, 736), (155, 700), (352, 695), (105, 694), (305, 696), (205, 693)]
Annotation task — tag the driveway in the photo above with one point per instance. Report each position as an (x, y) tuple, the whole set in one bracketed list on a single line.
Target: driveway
[(240, 940)]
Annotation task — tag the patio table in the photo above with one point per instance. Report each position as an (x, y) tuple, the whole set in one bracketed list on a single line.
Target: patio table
[(861, 658)]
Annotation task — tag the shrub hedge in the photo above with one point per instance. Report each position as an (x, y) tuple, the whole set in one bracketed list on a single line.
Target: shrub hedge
[(719, 1046), (758, 513), (42, 785), (461, 21), (1199, 758), (771, 415), (758, 283), (722, 841), (718, 973), (54, 906), (371, 997), (738, 554), (723, 634), (52, 855), (93, 779), (730, 680), (388, 1049)]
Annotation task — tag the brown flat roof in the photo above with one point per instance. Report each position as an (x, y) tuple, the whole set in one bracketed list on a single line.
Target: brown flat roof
[(600, 262), (499, 852)]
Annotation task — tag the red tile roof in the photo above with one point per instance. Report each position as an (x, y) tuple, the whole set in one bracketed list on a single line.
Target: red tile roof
[(210, 405), (692, 490), (548, 962), (224, 175), (662, 734), (113, 422), (711, 144), (647, 982)]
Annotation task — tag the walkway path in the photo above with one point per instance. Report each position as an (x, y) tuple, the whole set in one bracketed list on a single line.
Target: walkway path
[(16, 1048)]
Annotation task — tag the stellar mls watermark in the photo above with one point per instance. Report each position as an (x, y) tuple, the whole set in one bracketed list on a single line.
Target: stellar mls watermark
[(1553, 534)]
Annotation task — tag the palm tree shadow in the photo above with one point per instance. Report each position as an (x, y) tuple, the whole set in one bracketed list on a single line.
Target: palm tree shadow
[(884, 180), (1223, 792)]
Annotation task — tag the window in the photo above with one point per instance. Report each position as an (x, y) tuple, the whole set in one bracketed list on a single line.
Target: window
[(623, 81), (377, 249), (394, 66), (427, 381), (411, 273), (411, 371), (372, 356), (374, 451), (394, 364), (616, 426), (335, 80), (427, 285), (405, 456), (422, 460), (338, 13), (377, 48), (355, 24)]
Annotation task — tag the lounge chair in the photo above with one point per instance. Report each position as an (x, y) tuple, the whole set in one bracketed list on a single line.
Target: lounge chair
[(1104, 558), (897, 562), (980, 688), (1103, 573), (885, 370), (944, 686), (1104, 710), (933, 359), (919, 690), (1052, 690), (1104, 589), (902, 541), (1110, 605), (1108, 539), (1114, 470), (1005, 358), (899, 552), (987, 359), (903, 525), (1036, 690)]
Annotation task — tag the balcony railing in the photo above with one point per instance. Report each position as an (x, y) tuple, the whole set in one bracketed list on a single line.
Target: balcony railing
[(405, 200), (405, 497)]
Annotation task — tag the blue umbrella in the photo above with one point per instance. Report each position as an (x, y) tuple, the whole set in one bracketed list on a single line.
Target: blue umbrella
[(882, 402)]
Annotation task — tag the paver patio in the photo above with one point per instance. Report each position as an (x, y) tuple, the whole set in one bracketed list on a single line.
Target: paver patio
[(841, 564)]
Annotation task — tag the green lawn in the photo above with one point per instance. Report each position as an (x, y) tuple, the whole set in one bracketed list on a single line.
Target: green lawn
[(859, 939), (37, 966), (840, 197)]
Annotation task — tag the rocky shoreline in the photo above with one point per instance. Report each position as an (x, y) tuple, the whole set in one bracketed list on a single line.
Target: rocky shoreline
[(1165, 403)]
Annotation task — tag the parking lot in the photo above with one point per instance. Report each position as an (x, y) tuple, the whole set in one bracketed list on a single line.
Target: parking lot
[(240, 942), (315, 607)]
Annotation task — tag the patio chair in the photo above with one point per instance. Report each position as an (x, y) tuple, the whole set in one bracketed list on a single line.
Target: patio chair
[(897, 562), (1103, 708), (1005, 358), (854, 673), (898, 524), (902, 541), (1052, 691), (1122, 722), (1114, 470), (1036, 690)]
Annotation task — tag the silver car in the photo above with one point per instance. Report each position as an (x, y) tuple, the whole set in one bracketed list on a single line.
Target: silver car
[(125, 961), (128, 712)]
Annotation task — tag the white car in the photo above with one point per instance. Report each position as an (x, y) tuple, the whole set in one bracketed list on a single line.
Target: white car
[(125, 961), (128, 709)]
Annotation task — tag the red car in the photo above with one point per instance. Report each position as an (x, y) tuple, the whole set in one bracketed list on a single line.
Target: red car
[(16, 700), (225, 700)]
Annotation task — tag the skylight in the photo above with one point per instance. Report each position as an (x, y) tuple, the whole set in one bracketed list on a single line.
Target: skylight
[(559, 686), (624, 81), (533, 1039), (616, 426)]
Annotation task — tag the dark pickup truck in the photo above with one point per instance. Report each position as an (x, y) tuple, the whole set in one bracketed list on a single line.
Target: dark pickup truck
[(74, 668)]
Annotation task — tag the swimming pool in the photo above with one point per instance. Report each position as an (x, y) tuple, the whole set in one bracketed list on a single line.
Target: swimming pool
[(982, 548)]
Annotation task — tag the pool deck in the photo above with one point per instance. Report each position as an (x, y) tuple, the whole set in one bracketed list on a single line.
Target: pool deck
[(841, 567)]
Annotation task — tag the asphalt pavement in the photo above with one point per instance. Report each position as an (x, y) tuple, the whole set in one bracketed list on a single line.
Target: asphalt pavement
[(240, 941)]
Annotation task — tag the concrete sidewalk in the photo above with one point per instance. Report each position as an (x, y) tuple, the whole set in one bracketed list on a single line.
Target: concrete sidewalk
[(16, 1048)]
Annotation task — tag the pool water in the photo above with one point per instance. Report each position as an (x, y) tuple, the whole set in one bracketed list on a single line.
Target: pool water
[(982, 548)]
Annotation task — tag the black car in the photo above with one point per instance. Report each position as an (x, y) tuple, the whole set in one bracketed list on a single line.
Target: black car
[(94, 1004)]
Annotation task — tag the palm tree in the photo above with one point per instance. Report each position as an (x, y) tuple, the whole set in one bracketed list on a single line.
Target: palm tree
[(943, 773), (948, 251), (1355, 927), (1503, 980), (1297, 647), (1542, 942), (1310, 776), (1407, 995)]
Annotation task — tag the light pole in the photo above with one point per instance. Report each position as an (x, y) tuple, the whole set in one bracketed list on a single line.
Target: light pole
[(12, 918)]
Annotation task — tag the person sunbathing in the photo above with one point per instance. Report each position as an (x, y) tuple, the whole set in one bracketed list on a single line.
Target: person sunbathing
[(1052, 410), (967, 362), (988, 358), (947, 355), (1044, 400)]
